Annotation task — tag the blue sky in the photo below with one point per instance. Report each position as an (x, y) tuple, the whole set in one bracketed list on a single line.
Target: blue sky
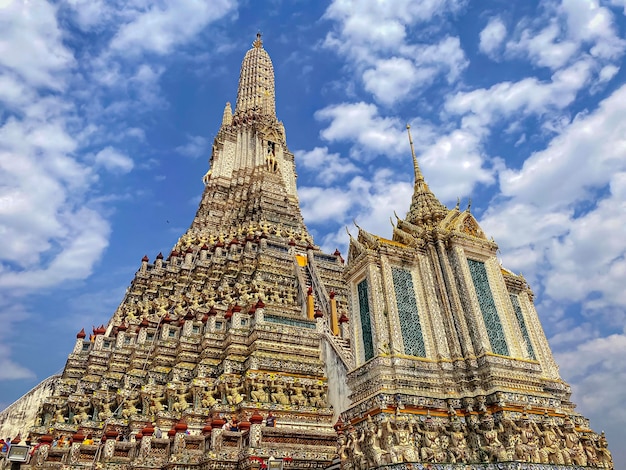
[(108, 110)]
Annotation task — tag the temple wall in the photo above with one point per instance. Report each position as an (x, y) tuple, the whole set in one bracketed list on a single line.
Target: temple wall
[(338, 391), (20, 416)]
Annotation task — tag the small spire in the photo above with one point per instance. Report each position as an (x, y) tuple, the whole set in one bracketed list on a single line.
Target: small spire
[(425, 210), (258, 43), (227, 118), (416, 167)]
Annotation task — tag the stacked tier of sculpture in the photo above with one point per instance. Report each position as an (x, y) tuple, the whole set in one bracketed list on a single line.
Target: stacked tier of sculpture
[(236, 348)]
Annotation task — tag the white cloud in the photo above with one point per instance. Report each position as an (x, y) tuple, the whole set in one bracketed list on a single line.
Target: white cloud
[(454, 164), (607, 73), (160, 28), (544, 48), (77, 248), (567, 31), (380, 25), (597, 372), (528, 96), (587, 153), (324, 204), (31, 43), (195, 147), (361, 123), (492, 36), (619, 3), (90, 13), (392, 79), (114, 160), (370, 202), (564, 213), (369, 32), (327, 166)]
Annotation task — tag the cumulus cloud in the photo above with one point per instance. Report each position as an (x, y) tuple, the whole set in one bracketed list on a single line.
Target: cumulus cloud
[(565, 31), (31, 44), (369, 202), (114, 160), (328, 166), (195, 147), (598, 375), (492, 36), (361, 123), (529, 96), (573, 192), (160, 28), (368, 32), (391, 79)]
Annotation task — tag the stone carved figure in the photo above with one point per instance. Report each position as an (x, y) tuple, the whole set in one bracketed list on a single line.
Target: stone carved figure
[(130, 407), (233, 393), (81, 414), (208, 397), (527, 450), (278, 394), (343, 452), (157, 404), (605, 459), (373, 450), (551, 437), (60, 415), (104, 405), (297, 395), (403, 445), (573, 453), (431, 450), (355, 453), (317, 396), (181, 403), (259, 392), (493, 449), (590, 451), (458, 450)]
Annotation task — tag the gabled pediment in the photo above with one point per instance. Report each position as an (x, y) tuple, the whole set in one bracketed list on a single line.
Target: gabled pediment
[(466, 224)]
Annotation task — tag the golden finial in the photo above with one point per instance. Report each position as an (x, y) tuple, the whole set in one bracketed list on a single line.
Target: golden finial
[(258, 43), (416, 167)]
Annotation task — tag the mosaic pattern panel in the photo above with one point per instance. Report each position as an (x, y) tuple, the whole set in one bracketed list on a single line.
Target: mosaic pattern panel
[(495, 331), (407, 312), (522, 325), (366, 323)]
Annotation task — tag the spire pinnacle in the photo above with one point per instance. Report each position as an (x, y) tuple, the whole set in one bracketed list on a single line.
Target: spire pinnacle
[(256, 94), (258, 43), (426, 210), (416, 167)]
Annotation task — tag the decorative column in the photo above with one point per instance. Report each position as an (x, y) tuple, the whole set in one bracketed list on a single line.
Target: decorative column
[(77, 441), (216, 433), (259, 311), (256, 424), (310, 304), (109, 443), (334, 320), (80, 339), (179, 438)]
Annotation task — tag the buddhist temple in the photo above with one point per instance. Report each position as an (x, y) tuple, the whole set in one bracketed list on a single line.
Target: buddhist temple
[(246, 346)]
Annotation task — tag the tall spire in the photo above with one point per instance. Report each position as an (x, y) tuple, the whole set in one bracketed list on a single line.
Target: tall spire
[(256, 94), (426, 210), (416, 167)]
